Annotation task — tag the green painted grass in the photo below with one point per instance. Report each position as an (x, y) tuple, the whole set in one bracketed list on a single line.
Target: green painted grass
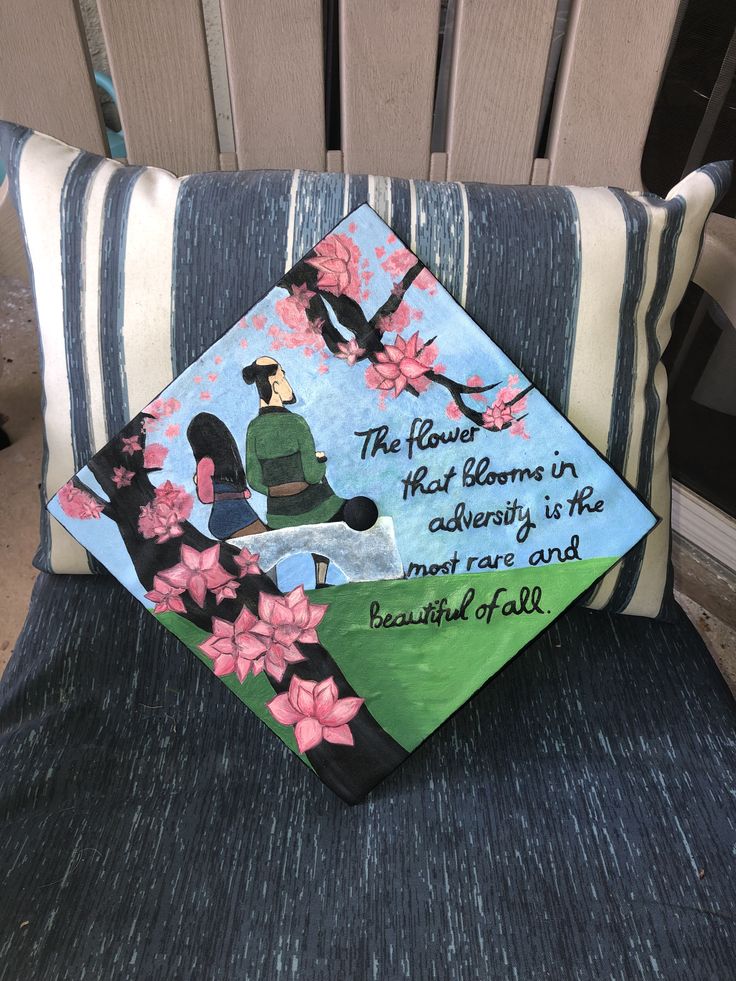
[(255, 691), (414, 677)]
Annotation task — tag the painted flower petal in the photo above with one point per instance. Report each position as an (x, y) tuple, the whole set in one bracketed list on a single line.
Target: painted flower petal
[(225, 664), (274, 664), (343, 710), (338, 734), (283, 711), (303, 697), (325, 696), (308, 734)]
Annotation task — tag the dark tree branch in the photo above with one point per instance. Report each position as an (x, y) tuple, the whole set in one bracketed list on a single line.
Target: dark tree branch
[(392, 304)]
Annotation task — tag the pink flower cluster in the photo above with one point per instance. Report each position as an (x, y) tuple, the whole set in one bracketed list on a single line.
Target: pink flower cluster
[(161, 517), (267, 641), (398, 263), (199, 572), (400, 364), (78, 503), (316, 712), (154, 455), (162, 407), (500, 414)]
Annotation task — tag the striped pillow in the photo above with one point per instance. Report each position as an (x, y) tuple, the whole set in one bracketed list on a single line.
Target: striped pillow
[(136, 273)]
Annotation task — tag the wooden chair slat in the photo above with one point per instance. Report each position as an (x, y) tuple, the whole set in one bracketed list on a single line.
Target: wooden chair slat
[(612, 62), (388, 59), (500, 53), (274, 54), (159, 64), (45, 73)]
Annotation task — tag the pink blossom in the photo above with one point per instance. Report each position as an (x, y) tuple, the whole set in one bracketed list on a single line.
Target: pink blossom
[(259, 321), (380, 252), (398, 263), (323, 369), (235, 647), (426, 281), (205, 396), (400, 364), (497, 415), (504, 410), (197, 572), (78, 503), (391, 239), (166, 597), (292, 617), (302, 295), (130, 445), (198, 379), (154, 456), (244, 343), (247, 562), (477, 382), (228, 590), (349, 351), (159, 407), (149, 425), (316, 712), (122, 477), (292, 313), (452, 411), (352, 227), (161, 518), (337, 260), (172, 431), (212, 376), (218, 359)]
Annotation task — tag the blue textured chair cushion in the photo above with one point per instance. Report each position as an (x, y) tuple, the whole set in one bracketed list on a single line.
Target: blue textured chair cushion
[(556, 827)]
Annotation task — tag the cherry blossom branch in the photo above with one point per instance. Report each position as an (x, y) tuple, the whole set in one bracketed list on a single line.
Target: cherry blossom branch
[(368, 334)]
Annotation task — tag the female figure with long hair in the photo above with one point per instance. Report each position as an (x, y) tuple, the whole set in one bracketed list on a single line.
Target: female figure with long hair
[(220, 478)]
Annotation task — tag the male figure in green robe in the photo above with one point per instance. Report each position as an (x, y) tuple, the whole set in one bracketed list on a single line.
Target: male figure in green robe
[(282, 462)]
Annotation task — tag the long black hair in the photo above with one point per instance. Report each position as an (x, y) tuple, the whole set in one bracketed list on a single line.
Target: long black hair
[(209, 436)]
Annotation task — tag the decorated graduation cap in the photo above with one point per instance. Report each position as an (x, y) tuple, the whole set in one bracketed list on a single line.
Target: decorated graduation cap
[(354, 509)]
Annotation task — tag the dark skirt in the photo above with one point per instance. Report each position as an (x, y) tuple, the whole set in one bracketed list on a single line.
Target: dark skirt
[(229, 516)]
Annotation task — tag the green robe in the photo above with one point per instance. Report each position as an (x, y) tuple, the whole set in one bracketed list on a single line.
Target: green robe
[(279, 449)]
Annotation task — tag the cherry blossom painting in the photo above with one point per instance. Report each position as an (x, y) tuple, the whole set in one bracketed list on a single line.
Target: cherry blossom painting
[(353, 508)]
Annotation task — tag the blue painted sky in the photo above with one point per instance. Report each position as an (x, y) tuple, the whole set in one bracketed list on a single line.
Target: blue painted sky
[(338, 403)]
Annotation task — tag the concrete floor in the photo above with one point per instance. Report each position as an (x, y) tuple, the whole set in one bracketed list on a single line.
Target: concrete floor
[(705, 591)]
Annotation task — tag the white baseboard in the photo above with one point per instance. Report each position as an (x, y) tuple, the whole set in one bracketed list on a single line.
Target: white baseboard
[(704, 525)]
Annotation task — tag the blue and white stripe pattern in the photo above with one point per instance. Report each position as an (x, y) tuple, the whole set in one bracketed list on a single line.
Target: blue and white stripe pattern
[(137, 272)]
